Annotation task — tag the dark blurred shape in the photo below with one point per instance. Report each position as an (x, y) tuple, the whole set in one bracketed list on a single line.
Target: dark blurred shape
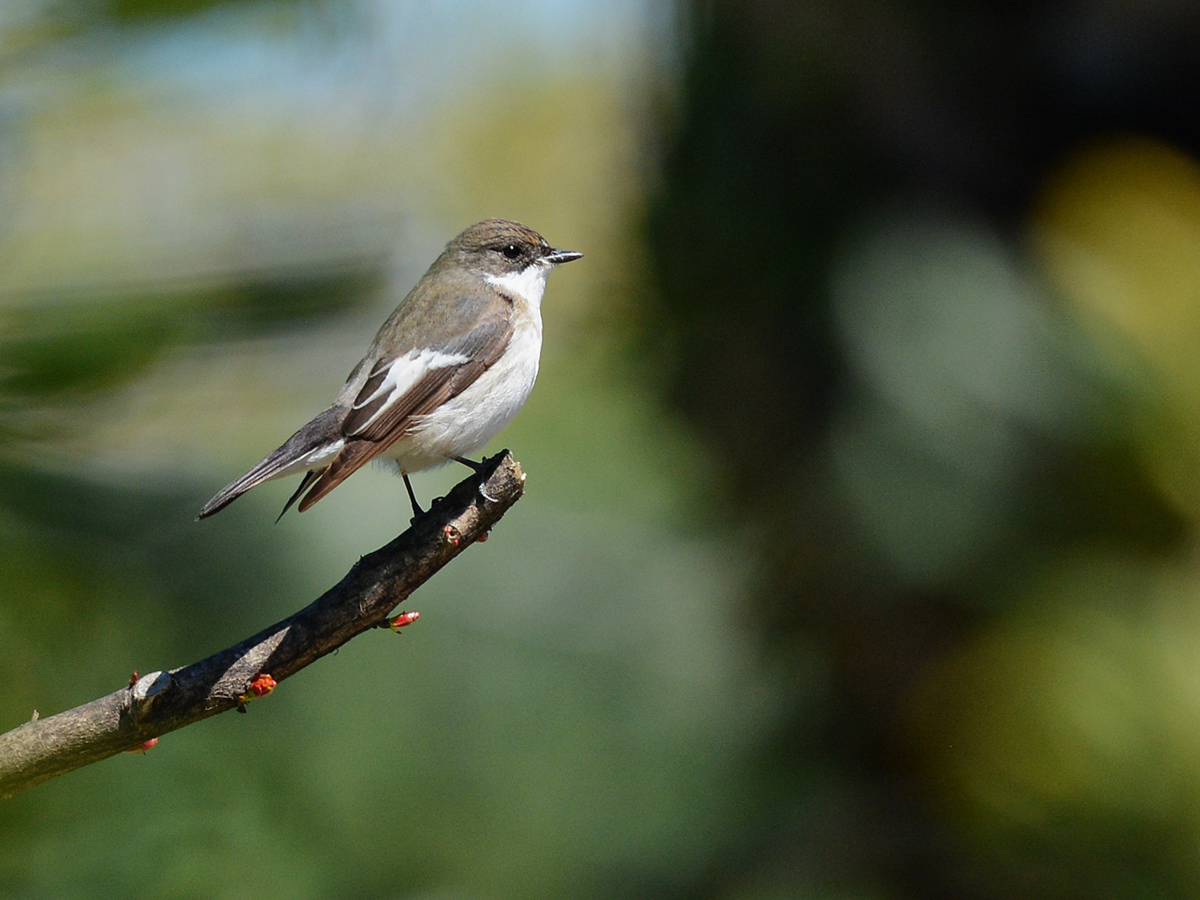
[(59, 349), (905, 468), (129, 11)]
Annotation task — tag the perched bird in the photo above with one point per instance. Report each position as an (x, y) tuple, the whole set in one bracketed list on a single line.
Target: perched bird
[(450, 368)]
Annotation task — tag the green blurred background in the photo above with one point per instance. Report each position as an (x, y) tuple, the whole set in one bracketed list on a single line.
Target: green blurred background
[(858, 558)]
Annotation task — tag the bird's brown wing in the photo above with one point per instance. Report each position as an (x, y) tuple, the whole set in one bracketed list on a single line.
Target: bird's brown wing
[(402, 388)]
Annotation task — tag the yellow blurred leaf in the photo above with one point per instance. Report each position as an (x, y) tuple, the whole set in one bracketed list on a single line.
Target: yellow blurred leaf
[(1118, 232)]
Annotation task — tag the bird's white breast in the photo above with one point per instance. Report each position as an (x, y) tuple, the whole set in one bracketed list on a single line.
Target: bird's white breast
[(465, 423)]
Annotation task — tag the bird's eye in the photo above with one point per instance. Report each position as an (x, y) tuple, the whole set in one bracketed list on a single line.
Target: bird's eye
[(512, 251)]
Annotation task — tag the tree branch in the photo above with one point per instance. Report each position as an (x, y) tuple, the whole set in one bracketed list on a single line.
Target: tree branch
[(164, 701)]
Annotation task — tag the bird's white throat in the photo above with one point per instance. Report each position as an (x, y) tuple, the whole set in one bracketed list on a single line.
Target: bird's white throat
[(529, 284)]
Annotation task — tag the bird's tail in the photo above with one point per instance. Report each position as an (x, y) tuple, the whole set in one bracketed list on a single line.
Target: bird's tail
[(316, 443)]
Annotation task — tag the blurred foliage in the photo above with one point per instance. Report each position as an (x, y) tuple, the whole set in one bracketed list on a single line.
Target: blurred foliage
[(142, 10), (76, 355), (1119, 232), (938, 321)]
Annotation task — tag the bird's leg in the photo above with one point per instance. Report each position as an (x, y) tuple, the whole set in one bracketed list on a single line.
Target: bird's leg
[(412, 498), (476, 467), (483, 469)]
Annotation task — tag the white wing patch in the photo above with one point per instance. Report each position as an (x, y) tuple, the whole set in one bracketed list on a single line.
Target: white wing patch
[(529, 284), (403, 373), (317, 458)]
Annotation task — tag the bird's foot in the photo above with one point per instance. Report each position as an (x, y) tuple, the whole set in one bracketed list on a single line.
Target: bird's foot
[(484, 469)]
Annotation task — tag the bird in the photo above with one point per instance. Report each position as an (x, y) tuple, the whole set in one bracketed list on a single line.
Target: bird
[(449, 369)]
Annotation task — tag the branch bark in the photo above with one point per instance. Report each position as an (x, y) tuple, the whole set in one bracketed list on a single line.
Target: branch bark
[(165, 701)]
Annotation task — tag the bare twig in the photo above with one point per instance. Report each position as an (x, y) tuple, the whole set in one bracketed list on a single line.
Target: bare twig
[(164, 701)]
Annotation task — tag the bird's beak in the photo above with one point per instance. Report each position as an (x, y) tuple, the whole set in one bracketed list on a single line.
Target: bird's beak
[(555, 257)]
